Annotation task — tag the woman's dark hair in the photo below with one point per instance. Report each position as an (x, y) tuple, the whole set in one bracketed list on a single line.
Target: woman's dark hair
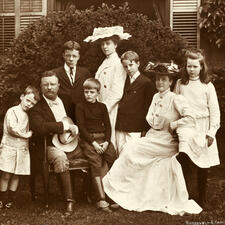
[(114, 38), (199, 55)]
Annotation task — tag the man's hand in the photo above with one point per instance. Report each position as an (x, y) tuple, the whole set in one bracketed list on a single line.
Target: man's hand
[(209, 140), (98, 148), (104, 145)]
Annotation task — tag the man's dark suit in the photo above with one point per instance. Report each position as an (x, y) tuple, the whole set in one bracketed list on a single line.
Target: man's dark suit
[(134, 105), (71, 95), (42, 123)]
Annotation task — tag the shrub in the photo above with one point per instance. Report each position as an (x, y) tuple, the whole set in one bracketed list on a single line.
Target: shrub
[(212, 21), (38, 48), (219, 82)]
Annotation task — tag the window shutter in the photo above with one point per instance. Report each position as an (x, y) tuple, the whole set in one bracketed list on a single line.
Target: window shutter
[(6, 6), (185, 20), (7, 23), (15, 15), (30, 11), (7, 31)]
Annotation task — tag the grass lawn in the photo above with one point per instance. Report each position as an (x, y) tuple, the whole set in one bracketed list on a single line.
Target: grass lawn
[(27, 212)]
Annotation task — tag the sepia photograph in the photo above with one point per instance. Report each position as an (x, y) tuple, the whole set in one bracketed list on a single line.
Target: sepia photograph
[(112, 112)]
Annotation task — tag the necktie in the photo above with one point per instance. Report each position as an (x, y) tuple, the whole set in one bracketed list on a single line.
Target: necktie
[(129, 80), (71, 75)]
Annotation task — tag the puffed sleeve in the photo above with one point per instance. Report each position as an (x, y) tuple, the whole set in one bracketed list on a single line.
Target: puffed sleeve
[(177, 87), (187, 115), (214, 111), (13, 126), (116, 88)]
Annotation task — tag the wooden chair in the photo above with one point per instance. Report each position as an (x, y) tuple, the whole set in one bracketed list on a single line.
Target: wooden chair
[(46, 169)]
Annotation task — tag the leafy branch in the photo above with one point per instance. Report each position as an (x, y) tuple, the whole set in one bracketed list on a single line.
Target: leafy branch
[(212, 21)]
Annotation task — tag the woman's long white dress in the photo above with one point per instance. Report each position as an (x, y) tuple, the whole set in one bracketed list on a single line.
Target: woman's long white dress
[(112, 76), (147, 175)]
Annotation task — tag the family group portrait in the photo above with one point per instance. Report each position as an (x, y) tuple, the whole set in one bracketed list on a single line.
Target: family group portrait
[(112, 112)]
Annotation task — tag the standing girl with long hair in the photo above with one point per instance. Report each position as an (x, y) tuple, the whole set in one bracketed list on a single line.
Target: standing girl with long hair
[(201, 95)]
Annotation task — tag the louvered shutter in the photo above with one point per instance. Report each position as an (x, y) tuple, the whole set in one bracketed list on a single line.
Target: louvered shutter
[(7, 23), (7, 31), (184, 20), (15, 15), (31, 10)]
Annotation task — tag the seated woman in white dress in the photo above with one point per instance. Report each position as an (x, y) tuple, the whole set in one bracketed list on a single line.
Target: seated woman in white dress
[(147, 175)]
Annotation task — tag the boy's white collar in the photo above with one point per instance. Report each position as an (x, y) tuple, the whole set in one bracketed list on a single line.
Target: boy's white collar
[(67, 68)]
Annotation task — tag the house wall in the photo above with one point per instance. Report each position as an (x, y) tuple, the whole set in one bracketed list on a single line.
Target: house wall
[(141, 6)]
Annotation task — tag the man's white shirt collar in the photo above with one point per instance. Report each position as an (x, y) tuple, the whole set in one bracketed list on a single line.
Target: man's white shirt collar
[(134, 77), (57, 108), (51, 102)]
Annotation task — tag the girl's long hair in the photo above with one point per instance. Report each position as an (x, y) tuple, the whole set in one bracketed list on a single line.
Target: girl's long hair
[(199, 55)]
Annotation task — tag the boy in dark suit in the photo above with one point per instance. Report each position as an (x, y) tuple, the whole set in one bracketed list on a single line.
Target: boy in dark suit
[(95, 132), (71, 77), (133, 106)]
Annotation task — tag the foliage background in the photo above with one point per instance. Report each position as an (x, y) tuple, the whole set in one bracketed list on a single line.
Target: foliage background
[(38, 48), (212, 21)]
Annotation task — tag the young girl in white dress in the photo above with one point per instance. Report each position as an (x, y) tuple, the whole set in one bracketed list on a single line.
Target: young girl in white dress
[(110, 73), (14, 152), (202, 98), (147, 175)]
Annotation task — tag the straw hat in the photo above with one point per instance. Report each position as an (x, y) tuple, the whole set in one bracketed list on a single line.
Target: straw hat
[(163, 69), (66, 141), (105, 32)]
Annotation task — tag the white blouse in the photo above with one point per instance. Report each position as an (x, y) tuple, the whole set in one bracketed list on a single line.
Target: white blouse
[(168, 109), (203, 100)]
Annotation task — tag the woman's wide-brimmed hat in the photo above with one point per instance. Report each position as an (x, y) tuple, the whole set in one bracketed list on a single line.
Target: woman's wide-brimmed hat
[(66, 141), (106, 32), (163, 69)]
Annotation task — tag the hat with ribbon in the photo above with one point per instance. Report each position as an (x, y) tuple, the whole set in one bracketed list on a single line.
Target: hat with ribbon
[(163, 69), (66, 141), (106, 32)]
